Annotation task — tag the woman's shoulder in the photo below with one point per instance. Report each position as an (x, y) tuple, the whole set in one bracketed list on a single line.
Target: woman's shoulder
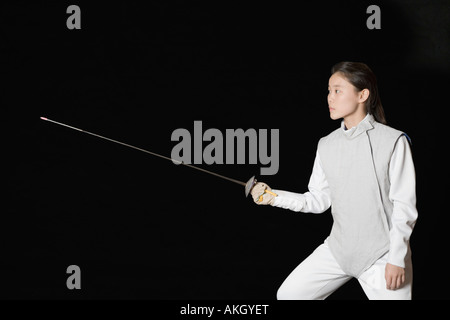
[(331, 136), (386, 130)]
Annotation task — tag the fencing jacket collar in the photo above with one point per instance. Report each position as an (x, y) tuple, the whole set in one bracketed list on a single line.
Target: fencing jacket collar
[(363, 126)]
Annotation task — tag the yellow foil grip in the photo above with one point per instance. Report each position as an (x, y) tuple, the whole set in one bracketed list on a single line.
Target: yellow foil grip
[(266, 191)]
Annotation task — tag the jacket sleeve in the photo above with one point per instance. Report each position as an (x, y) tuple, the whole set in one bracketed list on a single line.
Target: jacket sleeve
[(402, 193), (316, 200)]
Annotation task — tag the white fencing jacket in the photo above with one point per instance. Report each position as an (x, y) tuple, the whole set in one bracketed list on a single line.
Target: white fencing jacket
[(366, 174)]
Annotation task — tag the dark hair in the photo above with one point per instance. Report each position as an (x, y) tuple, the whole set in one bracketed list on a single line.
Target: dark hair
[(361, 77)]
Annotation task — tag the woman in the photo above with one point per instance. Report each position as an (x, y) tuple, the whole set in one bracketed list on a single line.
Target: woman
[(365, 172)]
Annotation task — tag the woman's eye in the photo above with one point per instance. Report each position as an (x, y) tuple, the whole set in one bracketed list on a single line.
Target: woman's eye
[(337, 91)]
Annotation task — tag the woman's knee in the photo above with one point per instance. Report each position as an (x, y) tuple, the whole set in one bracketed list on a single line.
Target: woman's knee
[(288, 291), (283, 294)]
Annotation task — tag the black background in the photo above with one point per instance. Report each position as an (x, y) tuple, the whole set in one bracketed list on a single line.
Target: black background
[(141, 227)]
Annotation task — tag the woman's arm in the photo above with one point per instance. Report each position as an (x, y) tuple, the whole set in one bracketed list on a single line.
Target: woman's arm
[(317, 200), (403, 195)]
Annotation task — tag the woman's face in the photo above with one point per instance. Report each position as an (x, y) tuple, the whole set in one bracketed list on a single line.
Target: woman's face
[(343, 97)]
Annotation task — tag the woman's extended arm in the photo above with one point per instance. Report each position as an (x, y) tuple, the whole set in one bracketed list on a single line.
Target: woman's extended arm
[(316, 200)]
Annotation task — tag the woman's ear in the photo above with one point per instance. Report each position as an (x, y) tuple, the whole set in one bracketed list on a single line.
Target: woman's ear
[(363, 95)]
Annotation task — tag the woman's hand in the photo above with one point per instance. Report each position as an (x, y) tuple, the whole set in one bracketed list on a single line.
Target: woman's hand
[(260, 196), (395, 276)]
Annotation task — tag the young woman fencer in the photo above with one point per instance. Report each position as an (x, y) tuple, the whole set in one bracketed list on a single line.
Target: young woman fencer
[(364, 170)]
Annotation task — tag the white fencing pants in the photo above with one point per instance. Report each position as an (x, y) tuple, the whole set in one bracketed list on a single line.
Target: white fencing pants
[(319, 275)]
